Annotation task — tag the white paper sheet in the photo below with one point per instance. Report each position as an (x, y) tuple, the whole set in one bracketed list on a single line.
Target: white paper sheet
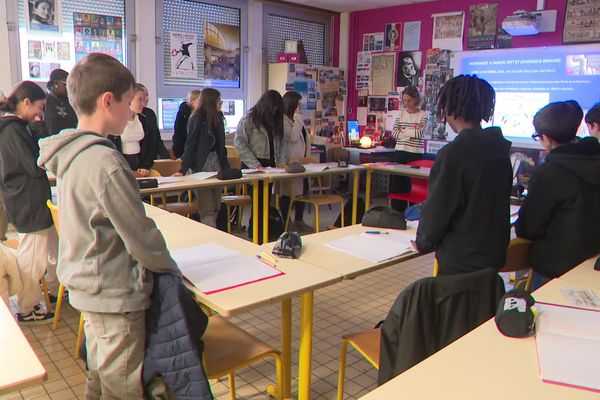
[(318, 167), (203, 175), (568, 345), (163, 180), (374, 248), (212, 268), (271, 170)]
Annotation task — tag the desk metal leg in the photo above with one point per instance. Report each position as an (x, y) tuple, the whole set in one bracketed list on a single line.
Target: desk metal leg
[(255, 216), (266, 211), (355, 181), (305, 359), (286, 345), (368, 188)]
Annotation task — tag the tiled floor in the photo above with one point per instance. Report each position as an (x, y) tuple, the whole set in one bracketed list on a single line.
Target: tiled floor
[(349, 306)]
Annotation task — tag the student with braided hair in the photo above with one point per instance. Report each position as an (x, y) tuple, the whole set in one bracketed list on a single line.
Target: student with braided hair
[(465, 219)]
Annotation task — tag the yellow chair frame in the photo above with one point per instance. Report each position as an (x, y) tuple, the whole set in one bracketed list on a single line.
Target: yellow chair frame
[(367, 344)]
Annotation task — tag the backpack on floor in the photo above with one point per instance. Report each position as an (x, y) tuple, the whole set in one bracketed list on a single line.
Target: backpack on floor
[(276, 225)]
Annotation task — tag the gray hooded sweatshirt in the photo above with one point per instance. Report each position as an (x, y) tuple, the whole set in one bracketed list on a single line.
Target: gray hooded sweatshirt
[(106, 240)]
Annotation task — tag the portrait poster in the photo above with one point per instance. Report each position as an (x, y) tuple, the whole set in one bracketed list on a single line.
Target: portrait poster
[(377, 104), (409, 68), (411, 39), (184, 58), (482, 26), (97, 33), (382, 73), (448, 31), (35, 49), (222, 55), (582, 21), (393, 36), (43, 16), (373, 41)]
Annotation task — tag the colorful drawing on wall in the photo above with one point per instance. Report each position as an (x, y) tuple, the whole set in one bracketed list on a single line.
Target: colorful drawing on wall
[(409, 68), (43, 15), (63, 50), (35, 49), (448, 31), (184, 58), (393, 36), (582, 21), (98, 33), (482, 26), (373, 41), (48, 50), (35, 70), (222, 55)]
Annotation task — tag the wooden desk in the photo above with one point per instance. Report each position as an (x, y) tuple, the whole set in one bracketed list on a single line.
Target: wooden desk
[(153, 210), (483, 364), (395, 169), (19, 365), (349, 266), (584, 274), (299, 279)]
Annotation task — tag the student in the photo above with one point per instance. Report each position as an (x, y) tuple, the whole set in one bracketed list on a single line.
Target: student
[(592, 119), (408, 132), (161, 150), (465, 219), (298, 147), (59, 114), (107, 245), (259, 138), (561, 212), (181, 121), (25, 189), (205, 151), (138, 142)]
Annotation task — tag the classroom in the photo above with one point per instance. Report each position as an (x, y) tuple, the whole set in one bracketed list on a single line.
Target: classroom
[(299, 199)]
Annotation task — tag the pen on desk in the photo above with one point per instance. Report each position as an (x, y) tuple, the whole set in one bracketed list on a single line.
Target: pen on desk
[(268, 257), (267, 262), (377, 233)]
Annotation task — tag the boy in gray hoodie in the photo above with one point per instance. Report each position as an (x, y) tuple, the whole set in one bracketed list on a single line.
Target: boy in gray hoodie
[(106, 241)]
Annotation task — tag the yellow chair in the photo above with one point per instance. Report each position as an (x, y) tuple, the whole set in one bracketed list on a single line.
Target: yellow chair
[(239, 198), (314, 199), (367, 344), (61, 289), (168, 168), (228, 348), (517, 258)]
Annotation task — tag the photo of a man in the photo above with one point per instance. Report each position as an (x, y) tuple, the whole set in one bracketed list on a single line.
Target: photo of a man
[(409, 64)]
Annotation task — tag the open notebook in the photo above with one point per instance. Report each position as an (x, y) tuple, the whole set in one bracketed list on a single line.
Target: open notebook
[(568, 346), (375, 248), (213, 268)]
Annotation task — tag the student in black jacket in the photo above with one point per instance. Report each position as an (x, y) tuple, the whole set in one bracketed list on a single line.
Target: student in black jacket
[(205, 151), (59, 114), (161, 150), (561, 212), (466, 217), (181, 121), (25, 189)]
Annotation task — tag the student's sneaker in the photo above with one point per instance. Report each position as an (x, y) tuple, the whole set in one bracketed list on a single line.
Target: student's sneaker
[(53, 298), (36, 317)]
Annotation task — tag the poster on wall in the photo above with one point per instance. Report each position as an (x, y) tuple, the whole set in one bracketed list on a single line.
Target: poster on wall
[(411, 40), (373, 41), (482, 26), (393, 36), (409, 68), (363, 69), (43, 15), (448, 31), (184, 60), (222, 55), (382, 73), (582, 21), (96, 33)]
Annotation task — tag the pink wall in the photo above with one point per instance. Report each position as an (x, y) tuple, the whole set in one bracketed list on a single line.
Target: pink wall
[(369, 21)]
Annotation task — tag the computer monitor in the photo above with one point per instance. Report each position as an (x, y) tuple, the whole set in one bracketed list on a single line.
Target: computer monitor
[(167, 111), (353, 130)]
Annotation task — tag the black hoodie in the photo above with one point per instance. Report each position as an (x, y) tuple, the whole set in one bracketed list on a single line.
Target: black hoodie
[(466, 216), (561, 213), (23, 185)]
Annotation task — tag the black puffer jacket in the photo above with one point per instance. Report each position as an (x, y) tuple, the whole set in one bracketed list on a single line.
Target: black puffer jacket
[(23, 185), (174, 328), (561, 213)]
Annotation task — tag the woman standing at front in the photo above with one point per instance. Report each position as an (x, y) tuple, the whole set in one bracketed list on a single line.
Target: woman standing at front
[(408, 132), (259, 138), (205, 151)]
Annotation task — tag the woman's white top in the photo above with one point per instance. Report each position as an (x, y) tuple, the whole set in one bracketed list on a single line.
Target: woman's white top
[(131, 137), (297, 145), (408, 131)]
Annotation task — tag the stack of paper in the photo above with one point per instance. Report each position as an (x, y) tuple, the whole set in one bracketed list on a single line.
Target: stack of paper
[(568, 346), (163, 180), (374, 247), (203, 175), (266, 170), (213, 268), (318, 167)]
